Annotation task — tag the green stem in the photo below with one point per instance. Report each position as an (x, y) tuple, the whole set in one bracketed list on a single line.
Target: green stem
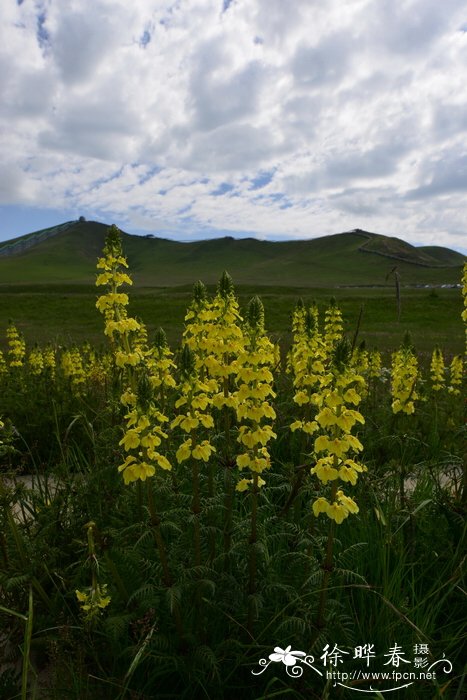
[(159, 540), (155, 524), (327, 567), (252, 560), (228, 482), (196, 510)]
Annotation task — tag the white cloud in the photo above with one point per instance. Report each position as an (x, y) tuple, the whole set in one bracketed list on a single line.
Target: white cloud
[(260, 116)]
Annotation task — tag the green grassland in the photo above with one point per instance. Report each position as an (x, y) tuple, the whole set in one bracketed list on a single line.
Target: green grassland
[(47, 283), (67, 314)]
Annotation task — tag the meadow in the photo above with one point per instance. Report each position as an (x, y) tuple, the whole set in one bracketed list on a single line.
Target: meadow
[(265, 499), (66, 314)]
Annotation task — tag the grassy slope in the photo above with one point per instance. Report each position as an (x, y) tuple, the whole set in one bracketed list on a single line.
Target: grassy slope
[(328, 261), (40, 289)]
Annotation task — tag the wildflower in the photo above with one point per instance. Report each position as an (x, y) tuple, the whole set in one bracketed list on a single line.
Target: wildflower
[(244, 484), (16, 346), (404, 374), (254, 379), (146, 371), (334, 448), (437, 370), (333, 326), (456, 372), (196, 401), (36, 361), (73, 370), (93, 600), (374, 364)]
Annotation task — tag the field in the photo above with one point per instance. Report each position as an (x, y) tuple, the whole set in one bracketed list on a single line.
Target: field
[(66, 314), (266, 501)]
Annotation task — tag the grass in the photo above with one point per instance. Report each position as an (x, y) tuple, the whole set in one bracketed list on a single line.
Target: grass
[(66, 314)]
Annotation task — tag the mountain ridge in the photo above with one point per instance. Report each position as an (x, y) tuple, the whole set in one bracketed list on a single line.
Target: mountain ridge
[(68, 252)]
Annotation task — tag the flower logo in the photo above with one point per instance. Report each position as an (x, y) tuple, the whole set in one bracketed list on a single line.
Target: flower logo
[(292, 661), (288, 658)]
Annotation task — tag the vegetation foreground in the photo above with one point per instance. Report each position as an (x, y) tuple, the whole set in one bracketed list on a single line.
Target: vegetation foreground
[(237, 519)]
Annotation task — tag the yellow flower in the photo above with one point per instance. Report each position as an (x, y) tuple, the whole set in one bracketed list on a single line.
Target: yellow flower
[(324, 470), (244, 484), (320, 506), (337, 512), (347, 502), (184, 451), (203, 451), (130, 440), (243, 460), (346, 473), (189, 423)]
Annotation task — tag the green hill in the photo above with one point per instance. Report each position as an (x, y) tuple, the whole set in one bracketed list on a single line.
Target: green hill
[(68, 253)]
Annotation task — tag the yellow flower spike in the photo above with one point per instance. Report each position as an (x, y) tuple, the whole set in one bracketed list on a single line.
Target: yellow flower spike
[(437, 370), (456, 370)]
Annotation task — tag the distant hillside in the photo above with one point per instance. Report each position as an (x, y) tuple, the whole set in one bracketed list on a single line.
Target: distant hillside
[(68, 253)]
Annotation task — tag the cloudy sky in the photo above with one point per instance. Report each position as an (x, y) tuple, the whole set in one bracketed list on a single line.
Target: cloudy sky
[(273, 118)]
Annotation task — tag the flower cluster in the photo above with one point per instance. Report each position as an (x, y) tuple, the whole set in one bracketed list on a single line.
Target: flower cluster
[(36, 361), (437, 370), (93, 600), (335, 448), (456, 370), (374, 364), (404, 374), (333, 325), (118, 326), (328, 387), (16, 346), (145, 371), (143, 435), (306, 362), (215, 335), (196, 400), (73, 370), (253, 396)]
